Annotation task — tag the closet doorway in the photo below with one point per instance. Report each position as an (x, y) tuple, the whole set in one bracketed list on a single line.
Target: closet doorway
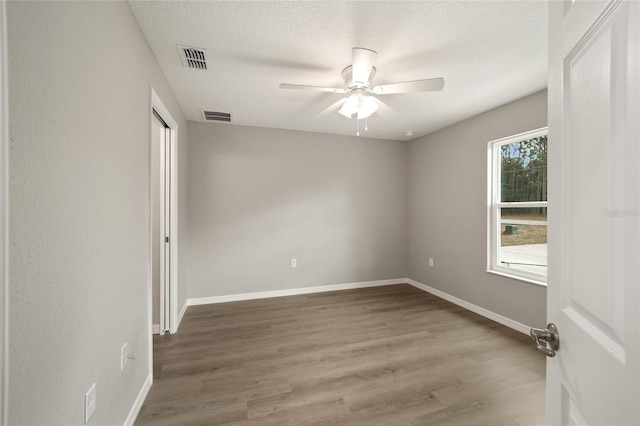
[(163, 199)]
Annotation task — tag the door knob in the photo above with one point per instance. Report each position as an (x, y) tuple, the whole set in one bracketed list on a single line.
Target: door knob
[(549, 336)]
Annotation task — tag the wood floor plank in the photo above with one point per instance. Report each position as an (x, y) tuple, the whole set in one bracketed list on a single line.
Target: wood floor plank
[(390, 355)]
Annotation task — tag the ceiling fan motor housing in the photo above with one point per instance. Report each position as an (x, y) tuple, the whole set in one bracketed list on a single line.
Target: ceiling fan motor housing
[(347, 75)]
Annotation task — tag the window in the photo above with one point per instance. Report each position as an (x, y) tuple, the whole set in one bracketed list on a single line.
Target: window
[(517, 228)]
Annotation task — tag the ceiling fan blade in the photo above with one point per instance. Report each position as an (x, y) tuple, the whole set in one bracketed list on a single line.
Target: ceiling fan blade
[(334, 107), (384, 110), (428, 85), (314, 88), (362, 62)]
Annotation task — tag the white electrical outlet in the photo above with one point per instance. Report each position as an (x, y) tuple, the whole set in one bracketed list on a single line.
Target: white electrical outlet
[(294, 263), (123, 356), (431, 262), (89, 403)]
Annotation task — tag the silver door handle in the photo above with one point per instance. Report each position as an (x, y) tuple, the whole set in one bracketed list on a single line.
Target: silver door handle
[(549, 336)]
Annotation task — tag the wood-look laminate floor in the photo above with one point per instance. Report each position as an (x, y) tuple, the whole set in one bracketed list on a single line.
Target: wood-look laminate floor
[(378, 356)]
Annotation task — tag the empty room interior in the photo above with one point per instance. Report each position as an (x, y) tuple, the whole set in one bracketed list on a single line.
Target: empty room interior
[(277, 213)]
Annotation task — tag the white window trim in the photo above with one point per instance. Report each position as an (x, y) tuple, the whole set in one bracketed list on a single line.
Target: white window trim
[(494, 205)]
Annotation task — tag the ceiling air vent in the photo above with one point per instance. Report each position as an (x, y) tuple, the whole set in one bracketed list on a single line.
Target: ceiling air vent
[(217, 116), (193, 57)]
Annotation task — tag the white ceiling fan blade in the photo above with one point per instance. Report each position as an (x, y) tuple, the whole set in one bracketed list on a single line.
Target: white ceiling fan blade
[(428, 85), (334, 107), (362, 62), (312, 88), (384, 110)]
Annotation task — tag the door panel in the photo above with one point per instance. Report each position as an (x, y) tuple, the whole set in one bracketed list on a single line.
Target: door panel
[(592, 185), (157, 201), (166, 217), (594, 215), (574, 416), (161, 221)]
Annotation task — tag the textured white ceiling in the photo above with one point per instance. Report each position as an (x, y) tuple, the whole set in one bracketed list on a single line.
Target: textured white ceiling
[(489, 53)]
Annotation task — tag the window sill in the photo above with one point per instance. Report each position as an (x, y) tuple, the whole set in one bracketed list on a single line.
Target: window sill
[(517, 277)]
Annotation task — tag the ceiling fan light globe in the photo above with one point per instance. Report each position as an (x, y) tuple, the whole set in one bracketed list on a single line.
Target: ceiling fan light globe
[(346, 114), (367, 107), (351, 106), (362, 115)]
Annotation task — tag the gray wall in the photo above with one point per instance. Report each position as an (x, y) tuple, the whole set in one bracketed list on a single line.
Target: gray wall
[(448, 211), (183, 204), (80, 78), (259, 197)]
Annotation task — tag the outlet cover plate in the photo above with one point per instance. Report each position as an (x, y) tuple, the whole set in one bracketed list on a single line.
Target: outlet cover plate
[(89, 403), (123, 356)]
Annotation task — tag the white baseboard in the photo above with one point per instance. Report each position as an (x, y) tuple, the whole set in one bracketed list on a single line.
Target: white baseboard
[(292, 292), (181, 314), (155, 329), (137, 404), (518, 326)]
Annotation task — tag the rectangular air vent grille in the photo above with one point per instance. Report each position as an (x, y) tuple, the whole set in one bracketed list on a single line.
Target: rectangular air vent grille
[(193, 57), (217, 116)]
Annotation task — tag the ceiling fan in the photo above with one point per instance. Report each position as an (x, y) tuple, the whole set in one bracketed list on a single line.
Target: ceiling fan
[(362, 100)]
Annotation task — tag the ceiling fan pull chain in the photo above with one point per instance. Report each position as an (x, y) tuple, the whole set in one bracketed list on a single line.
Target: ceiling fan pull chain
[(357, 127), (366, 124)]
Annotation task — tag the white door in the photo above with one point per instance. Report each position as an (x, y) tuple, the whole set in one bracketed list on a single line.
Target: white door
[(161, 223), (594, 212), (165, 217)]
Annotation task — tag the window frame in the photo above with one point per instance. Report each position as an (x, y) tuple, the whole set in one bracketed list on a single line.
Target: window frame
[(494, 204)]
